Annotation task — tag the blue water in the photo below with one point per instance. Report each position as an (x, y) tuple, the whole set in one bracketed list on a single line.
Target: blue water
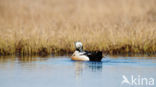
[(63, 72)]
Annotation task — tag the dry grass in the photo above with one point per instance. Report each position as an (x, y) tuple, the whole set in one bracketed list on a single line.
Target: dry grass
[(31, 27)]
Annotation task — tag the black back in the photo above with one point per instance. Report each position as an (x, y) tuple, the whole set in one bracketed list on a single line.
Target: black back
[(94, 56)]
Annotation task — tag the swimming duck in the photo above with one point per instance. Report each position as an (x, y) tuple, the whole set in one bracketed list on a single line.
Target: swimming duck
[(82, 55)]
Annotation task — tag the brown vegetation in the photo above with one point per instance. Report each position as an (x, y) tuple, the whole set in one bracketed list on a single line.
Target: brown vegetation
[(31, 27)]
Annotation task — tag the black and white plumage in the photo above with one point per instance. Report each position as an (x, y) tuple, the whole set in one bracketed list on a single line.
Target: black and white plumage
[(81, 55)]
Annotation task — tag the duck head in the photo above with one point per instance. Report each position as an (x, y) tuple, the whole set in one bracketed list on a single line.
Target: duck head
[(79, 46)]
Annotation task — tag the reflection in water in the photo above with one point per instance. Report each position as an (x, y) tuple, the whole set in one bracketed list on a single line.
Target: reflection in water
[(25, 59), (92, 66), (29, 59), (4, 59), (95, 66), (78, 69), (22, 63)]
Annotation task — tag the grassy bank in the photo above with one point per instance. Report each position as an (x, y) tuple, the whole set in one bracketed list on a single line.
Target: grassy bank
[(32, 27)]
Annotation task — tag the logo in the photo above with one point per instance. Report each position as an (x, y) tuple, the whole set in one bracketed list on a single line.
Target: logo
[(137, 81)]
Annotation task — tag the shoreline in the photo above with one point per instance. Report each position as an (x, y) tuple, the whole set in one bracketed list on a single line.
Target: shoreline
[(64, 53)]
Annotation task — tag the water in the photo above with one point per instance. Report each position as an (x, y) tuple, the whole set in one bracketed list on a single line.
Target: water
[(63, 72)]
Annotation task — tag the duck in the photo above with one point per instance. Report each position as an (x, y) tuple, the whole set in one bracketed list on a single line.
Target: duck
[(81, 55)]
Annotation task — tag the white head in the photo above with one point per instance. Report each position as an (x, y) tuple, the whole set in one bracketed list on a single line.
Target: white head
[(79, 46)]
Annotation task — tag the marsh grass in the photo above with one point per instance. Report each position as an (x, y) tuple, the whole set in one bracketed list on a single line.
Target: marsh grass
[(41, 27)]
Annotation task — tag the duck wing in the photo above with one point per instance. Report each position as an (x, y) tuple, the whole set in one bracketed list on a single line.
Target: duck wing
[(94, 56)]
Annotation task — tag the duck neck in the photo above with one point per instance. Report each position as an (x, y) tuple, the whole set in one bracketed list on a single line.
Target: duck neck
[(80, 50)]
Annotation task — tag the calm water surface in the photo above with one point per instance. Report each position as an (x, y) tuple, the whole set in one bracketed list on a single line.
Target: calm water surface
[(63, 72)]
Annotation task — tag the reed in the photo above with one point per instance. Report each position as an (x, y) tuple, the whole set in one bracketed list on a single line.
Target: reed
[(32, 27)]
